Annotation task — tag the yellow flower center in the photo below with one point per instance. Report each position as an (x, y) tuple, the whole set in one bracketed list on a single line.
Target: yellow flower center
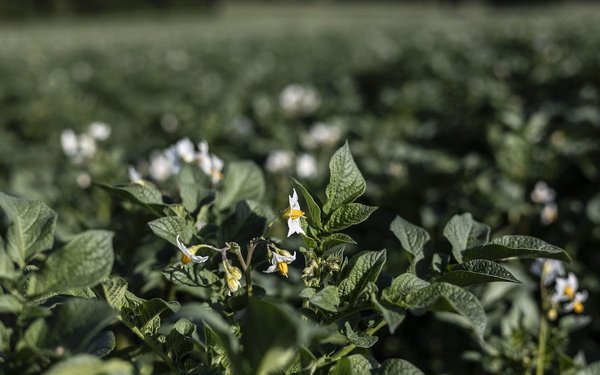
[(185, 259), (552, 314), (291, 213), (578, 307), (283, 268), (569, 292)]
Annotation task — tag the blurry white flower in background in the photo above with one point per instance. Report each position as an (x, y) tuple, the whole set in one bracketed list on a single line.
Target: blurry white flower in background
[(68, 142), (134, 175), (306, 166), (542, 193), (210, 164), (161, 167), (320, 135), (297, 99), (77, 148), (169, 122), (99, 131), (547, 269), (84, 180), (185, 150), (279, 161)]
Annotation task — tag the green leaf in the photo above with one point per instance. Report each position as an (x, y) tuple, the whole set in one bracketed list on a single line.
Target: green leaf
[(363, 268), (170, 227), (314, 211), (327, 298), (145, 194), (392, 316), (191, 274), (102, 344), (271, 334), (356, 364), (31, 227), (363, 340), (475, 272), (145, 314), (397, 366), (242, 225), (10, 304), (83, 262), (7, 267), (465, 233), (90, 365), (73, 326), (410, 292), (412, 238), (179, 339), (336, 239), (243, 181), (114, 291), (517, 247), (348, 215), (346, 183), (193, 186)]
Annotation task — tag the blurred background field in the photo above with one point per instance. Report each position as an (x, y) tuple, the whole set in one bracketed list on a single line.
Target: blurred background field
[(447, 109)]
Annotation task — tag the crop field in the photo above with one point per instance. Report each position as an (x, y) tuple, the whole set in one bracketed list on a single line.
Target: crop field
[(287, 189)]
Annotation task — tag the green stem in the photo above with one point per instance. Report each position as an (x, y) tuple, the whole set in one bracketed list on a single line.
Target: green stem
[(541, 359), (152, 345)]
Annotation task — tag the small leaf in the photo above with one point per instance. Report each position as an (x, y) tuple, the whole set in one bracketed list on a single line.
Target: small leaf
[(192, 274), (517, 247), (465, 233), (31, 227), (408, 291), (412, 237), (82, 262), (348, 215), (193, 186), (243, 181), (356, 364), (346, 183), (102, 344), (397, 366), (475, 272), (335, 239), (145, 194), (328, 298), (363, 340), (314, 211), (114, 291), (392, 317), (10, 304), (170, 227), (363, 268)]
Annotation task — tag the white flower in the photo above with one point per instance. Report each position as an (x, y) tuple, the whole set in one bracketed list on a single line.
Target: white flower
[(576, 304), (279, 161), (99, 131), (565, 288), (160, 167), (189, 255), (548, 269), (87, 146), (84, 180), (134, 175), (172, 156), (210, 164), (298, 99), (185, 150), (279, 262), (549, 213), (293, 214), (321, 134), (306, 166), (68, 142), (542, 193)]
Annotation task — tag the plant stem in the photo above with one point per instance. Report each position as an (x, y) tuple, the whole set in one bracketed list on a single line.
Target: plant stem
[(541, 359)]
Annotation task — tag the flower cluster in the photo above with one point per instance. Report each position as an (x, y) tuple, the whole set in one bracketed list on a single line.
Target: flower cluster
[(166, 163), (545, 195), (80, 148), (296, 99), (282, 161)]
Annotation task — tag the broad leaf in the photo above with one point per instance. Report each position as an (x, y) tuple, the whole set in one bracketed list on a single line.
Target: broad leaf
[(360, 340), (314, 211), (393, 316), (412, 237), (193, 186), (356, 364), (170, 227), (475, 272), (242, 225), (83, 262), (397, 366), (363, 268), (336, 239), (31, 227), (465, 233), (243, 181), (90, 365), (328, 298), (410, 292), (192, 274), (145, 194), (517, 247), (348, 215), (346, 183)]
